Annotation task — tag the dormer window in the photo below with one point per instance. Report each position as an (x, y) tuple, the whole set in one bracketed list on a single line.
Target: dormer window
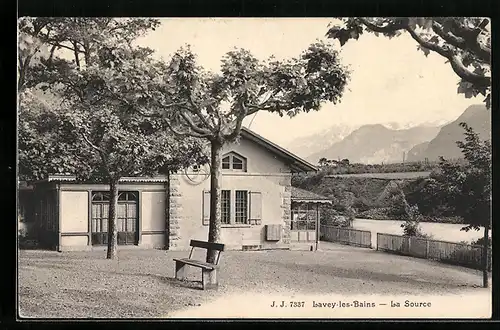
[(226, 163), (234, 162)]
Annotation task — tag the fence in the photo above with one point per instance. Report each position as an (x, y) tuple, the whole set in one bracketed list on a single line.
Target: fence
[(447, 252), (349, 236)]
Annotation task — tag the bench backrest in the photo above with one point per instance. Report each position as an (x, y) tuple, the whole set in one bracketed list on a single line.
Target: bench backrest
[(206, 245)]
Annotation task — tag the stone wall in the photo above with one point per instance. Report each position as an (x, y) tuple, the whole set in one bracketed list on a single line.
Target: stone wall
[(286, 204), (174, 212)]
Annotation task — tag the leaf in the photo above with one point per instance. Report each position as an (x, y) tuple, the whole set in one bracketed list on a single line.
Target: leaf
[(424, 50), (434, 39), (488, 101), (465, 87), (412, 22)]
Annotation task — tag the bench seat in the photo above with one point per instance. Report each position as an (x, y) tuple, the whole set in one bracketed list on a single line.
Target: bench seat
[(208, 270), (197, 263)]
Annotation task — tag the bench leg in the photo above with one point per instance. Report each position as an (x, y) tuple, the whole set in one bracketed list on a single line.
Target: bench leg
[(180, 270), (209, 279)]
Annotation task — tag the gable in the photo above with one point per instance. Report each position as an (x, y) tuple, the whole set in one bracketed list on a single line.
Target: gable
[(295, 163), (264, 156), (258, 159)]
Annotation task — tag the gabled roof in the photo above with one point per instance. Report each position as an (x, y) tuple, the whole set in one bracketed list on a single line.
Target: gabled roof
[(296, 163), (301, 195)]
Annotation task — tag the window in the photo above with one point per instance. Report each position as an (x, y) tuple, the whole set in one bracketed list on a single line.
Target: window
[(304, 217), (226, 206), (241, 206), (226, 163), (234, 162), (237, 163)]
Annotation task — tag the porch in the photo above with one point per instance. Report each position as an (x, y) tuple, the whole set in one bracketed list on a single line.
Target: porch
[(305, 217)]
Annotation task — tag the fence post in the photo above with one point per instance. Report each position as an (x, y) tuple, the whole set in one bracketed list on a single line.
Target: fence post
[(426, 249), (376, 248)]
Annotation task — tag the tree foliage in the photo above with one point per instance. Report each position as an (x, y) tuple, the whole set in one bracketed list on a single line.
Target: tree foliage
[(466, 188), (44, 144), (212, 105), (88, 132), (465, 42)]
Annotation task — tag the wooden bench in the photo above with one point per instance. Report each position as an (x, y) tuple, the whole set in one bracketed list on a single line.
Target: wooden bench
[(208, 271)]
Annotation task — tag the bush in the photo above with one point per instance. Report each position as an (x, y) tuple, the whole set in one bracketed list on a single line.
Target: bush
[(22, 233), (332, 217), (480, 242), (412, 228)]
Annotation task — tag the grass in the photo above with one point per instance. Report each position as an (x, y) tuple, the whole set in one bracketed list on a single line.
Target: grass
[(140, 283)]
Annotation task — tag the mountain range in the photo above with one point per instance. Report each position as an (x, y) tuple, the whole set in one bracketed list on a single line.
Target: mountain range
[(311, 144), (392, 142), (375, 143), (444, 144)]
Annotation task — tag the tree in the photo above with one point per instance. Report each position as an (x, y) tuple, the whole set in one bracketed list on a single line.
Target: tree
[(323, 162), (466, 187), (96, 138), (465, 42), (211, 106)]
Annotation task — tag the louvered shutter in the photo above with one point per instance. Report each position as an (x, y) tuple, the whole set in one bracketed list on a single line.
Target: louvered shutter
[(255, 201), (206, 207)]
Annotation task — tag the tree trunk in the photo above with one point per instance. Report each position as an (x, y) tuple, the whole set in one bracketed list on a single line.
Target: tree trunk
[(485, 257), (112, 217), (215, 206)]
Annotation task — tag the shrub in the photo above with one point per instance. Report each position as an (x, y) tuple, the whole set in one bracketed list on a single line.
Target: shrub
[(480, 242), (22, 232), (331, 217)]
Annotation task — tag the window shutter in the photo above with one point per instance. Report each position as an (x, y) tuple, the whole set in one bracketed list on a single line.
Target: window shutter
[(206, 207), (255, 201)]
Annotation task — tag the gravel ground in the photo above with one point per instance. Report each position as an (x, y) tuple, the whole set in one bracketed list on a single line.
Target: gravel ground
[(141, 284)]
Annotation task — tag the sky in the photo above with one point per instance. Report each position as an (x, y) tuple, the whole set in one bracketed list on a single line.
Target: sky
[(391, 81)]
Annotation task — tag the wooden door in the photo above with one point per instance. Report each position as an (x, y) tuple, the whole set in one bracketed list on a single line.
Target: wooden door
[(127, 220)]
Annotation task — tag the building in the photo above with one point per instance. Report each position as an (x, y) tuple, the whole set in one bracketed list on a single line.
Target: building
[(260, 209)]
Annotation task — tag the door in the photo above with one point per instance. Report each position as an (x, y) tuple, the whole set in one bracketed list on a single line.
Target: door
[(303, 224), (127, 220)]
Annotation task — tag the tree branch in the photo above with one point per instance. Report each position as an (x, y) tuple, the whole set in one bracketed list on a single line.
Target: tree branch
[(23, 67), (185, 133), (96, 148), (193, 126), (53, 42), (198, 113), (473, 46), (51, 56), (253, 108), (75, 52), (239, 120), (455, 62), (390, 27)]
